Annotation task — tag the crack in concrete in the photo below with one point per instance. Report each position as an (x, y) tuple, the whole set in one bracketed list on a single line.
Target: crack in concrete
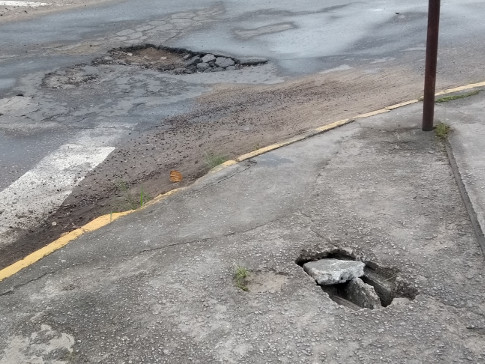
[(249, 163), (12, 289)]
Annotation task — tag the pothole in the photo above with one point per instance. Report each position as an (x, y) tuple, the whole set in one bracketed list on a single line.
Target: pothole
[(70, 77), (354, 283), (175, 60)]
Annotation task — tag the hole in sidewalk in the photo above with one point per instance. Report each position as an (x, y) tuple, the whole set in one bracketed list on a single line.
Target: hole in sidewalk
[(175, 60), (353, 283)]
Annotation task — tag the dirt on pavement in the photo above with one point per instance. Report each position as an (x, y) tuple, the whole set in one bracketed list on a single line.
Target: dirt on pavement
[(228, 122)]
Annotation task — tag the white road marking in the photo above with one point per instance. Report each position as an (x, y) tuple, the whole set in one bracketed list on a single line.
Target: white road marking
[(30, 4), (28, 201)]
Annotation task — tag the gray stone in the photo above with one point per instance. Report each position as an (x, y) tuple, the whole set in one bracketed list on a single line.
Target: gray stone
[(224, 62), (333, 271), (400, 301), (181, 71), (383, 286), (252, 61), (91, 70), (203, 66), (231, 68), (362, 294), (193, 60), (208, 58)]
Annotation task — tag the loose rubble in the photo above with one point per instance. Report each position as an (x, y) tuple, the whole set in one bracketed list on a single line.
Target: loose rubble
[(176, 60), (355, 284), (363, 294)]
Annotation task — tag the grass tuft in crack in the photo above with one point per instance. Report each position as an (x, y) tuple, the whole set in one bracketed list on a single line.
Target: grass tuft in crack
[(240, 278), (213, 160), (456, 97), (442, 131)]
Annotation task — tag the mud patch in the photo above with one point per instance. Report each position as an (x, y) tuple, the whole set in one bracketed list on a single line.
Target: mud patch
[(174, 60), (354, 283)]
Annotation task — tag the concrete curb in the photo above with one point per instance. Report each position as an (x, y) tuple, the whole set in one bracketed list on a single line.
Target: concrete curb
[(477, 229), (104, 220)]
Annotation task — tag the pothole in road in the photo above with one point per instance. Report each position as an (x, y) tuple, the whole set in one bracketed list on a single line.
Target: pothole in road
[(70, 77), (175, 60), (353, 283)]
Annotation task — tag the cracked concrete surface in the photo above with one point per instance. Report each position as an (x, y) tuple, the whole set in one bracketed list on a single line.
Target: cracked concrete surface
[(153, 120), (157, 286)]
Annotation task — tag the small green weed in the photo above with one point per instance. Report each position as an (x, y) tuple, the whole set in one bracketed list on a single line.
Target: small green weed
[(456, 97), (213, 160), (132, 201), (442, 131), (240, 278), (141, 196)]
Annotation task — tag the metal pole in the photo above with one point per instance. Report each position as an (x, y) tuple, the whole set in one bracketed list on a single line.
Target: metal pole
[(431, 60)]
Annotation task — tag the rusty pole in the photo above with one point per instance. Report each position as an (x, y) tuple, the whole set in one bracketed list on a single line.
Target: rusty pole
[(431, 61)]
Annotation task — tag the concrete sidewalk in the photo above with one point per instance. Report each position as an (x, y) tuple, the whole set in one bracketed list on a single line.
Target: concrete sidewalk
[(159, 286)]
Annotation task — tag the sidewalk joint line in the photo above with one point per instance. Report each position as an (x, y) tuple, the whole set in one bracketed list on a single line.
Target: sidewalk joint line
[(465, 197)]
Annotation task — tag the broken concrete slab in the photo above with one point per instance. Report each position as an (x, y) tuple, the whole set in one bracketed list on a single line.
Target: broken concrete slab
[(362, 294), (384, 287), (224, 62), (208, 58), (202, 66), (193, 61), (334, 271)]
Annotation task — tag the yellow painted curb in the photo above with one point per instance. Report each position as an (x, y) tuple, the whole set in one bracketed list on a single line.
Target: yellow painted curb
[(333, 125), (401, 104), (461, 88), (223, 165), (372, 113), (59, 243), (161, 197), (106, 219), (259, 151), (93, 225)]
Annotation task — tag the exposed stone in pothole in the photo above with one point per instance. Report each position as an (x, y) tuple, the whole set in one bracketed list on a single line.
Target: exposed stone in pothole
[(354, 283), (175, 60), (333, 271)]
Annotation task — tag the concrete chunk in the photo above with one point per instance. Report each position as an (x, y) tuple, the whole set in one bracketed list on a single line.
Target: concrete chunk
[(333, 271), (384, 287), (208, 58), (362, 294), (203, 66), (224, 62), (192, 61)]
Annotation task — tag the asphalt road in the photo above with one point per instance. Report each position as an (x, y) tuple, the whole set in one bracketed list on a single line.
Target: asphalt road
[(57, 127)]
